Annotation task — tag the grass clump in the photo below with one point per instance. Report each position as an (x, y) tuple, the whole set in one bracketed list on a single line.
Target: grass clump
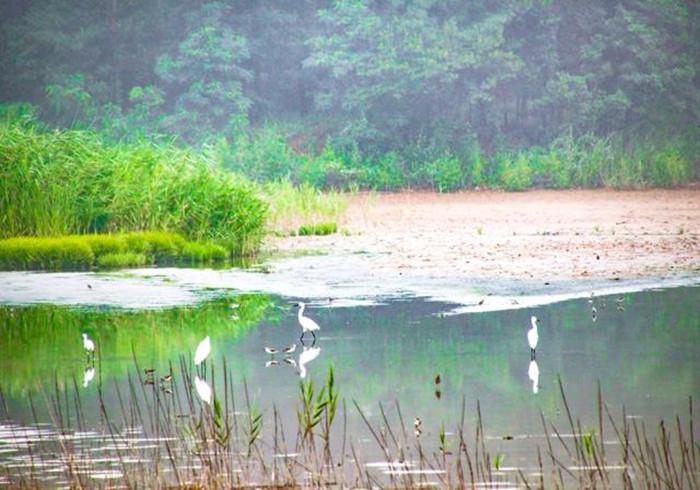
[(109, 251), (203, 252), (45, 253), (318, 229), (121, 260)]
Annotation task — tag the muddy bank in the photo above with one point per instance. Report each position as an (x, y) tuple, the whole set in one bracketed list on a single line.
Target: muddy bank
[(541, 235)]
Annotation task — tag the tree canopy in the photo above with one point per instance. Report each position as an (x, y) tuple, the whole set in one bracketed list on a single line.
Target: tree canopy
[(383, 75)]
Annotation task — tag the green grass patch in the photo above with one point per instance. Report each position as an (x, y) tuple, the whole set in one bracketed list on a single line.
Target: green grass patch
[(121, 260), (109, 251), (318, 229)]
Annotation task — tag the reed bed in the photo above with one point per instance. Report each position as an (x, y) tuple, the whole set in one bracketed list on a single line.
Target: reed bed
[(67, 182), (160, 433)]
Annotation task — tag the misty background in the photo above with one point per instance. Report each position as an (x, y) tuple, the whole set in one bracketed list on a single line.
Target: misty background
[(392, 92)]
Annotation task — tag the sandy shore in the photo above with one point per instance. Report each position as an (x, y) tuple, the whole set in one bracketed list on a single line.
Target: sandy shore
[(537, 234)]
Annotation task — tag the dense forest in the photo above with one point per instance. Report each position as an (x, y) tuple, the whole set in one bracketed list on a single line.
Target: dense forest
[(376, 93)]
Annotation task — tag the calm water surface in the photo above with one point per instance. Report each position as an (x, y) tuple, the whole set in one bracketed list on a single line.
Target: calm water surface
[(642, 348)]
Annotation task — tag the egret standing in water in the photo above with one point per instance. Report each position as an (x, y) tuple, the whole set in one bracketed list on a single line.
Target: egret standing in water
[(532, 336), (307, 324), (89, 346), (203, 350)]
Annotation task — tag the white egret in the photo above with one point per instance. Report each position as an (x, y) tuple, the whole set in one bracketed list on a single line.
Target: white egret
[(532, 336), (271, 350), (308, 355), (533, 372), (88, 345), (203, 350), (88, 376), (290, 349), (203, 389), (307, 324)]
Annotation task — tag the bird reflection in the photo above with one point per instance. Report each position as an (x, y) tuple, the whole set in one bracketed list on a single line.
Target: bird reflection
[(533, 372), (308, 355), (88, 376), (203, 389)]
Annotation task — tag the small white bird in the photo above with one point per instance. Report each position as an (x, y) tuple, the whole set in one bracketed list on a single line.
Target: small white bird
[(532, 336), (203, 350), (271, 362), (290, 361), (88, 345), (533, 372), (308, 355), (307, 324), (271, 350), (203, 389), (290, 349), (88, 376), (594, 313)]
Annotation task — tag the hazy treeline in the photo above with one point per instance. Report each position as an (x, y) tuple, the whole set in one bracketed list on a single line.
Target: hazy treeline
[(423, 81)]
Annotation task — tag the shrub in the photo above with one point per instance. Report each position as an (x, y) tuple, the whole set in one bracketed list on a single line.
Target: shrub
[(446, 174), (318, 229), (516, 173)]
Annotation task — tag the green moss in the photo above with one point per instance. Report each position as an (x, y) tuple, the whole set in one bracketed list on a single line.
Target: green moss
[(318, 229)]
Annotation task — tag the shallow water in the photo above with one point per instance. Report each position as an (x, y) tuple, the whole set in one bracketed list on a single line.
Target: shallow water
[(642, 348)]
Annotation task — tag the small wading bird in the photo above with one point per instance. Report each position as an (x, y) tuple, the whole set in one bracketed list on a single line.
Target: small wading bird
[(203, 350), (532, 336), (271, 350), (307, 324), (89, 346), (290, 349)]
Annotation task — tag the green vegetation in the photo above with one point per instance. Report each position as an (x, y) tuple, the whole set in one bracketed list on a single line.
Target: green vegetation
[(293, 206), (318, 229), (71, 182), (118, 250), (350, 94)]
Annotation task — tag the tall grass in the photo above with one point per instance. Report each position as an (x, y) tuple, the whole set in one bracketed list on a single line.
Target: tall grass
[(69, 182), (291, 207), (227, 442)]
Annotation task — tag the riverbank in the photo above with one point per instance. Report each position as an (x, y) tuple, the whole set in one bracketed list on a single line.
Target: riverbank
[(546, 235)]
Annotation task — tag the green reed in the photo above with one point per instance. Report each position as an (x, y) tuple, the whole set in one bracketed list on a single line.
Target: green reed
[(65, 182)]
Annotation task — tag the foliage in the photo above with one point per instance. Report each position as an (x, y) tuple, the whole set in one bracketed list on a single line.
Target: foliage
[(292, 206)]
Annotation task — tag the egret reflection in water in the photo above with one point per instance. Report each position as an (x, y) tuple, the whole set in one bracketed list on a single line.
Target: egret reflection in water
[(88, 376), (533, 372), (307, 355), (203, 389)]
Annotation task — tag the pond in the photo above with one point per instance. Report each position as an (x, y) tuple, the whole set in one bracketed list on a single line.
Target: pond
[(405, 356)]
